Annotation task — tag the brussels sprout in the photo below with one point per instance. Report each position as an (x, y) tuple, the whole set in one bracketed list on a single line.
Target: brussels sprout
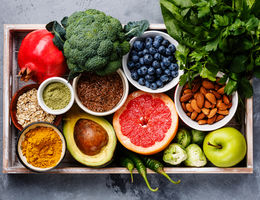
[(174, 154), (196, 157), (197, 137), (183, 137)]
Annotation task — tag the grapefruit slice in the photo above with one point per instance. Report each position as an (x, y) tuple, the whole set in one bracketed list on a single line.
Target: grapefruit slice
[(146, 123)]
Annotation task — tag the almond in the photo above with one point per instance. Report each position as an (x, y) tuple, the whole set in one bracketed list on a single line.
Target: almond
[(219, 102), (222, 106), (184, 107), (196, 87), (189, 114), (217, 87), (205, 111), (223, 112), (200, 116), (229, 105), (213, 106), (212, 113), (203, 90), (219, 117), (196, 95), (202, 121), (217, 95), (221, 90), (194, 114), (212, 120), (200, 100), (211, 97), (207, 84), (226, 100), (189, 108), (207, 104), (186, 86), (187, 91), (195, 106), (186, 97)]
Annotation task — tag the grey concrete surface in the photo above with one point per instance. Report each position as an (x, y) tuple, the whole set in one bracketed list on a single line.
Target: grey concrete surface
[(67, 187)]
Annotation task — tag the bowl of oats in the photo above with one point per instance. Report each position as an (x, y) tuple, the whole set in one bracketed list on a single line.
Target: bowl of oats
[(24, 108)]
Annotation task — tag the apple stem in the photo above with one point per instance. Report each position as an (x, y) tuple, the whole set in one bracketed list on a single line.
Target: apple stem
[(216, 146)]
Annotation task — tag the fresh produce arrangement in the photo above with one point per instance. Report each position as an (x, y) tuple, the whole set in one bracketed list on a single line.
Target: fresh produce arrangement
[(77, 67)]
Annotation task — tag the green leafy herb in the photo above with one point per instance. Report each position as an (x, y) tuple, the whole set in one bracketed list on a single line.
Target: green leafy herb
[(135, 28), (216, 36)]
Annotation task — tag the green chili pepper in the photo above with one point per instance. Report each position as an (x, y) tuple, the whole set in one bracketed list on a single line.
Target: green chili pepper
[(128, 163), (156, 166), (140, 168)]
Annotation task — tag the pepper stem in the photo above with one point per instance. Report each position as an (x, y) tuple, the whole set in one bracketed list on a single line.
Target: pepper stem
[(216, 146), (162, 172), (131, 174), (148, 184)]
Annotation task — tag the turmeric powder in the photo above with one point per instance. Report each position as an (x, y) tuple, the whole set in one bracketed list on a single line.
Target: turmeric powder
[(42, 147)]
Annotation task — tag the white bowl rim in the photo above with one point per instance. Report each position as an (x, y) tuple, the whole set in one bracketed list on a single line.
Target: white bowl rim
[(40, 98), (205, 127), (169, 85), (109, 112), (21, 138)]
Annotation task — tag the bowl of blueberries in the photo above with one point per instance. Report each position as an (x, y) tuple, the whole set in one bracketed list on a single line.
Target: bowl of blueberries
[(151, 64)]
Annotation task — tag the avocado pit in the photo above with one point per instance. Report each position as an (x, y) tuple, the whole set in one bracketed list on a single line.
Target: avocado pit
[(90, 137)]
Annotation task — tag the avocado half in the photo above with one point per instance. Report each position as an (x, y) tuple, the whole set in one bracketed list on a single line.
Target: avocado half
[(105, 155)]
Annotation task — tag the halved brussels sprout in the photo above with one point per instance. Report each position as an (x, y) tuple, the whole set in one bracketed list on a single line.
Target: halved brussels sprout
[(174, 154), (196, 157)]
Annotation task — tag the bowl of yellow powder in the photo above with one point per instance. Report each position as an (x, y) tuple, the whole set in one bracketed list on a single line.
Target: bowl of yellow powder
[(55, 95), (41, 146)]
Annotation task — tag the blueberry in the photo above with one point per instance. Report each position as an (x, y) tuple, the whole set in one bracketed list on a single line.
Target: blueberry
[(147, 84), (168, 52), (140, 53), (172, 48), (159, 83), (130, 65), (148, 45), (174, 74), (158, 71), (167, 72), (133, 53), (156, 64), (170, 78), (165, 42), (158, 38), (158, 76), (162, 65), (137, 65), (135, 58), (151, 71), (139, 72), (144, 70), (149, 78), (156, 44), (164, 78), (171, 58), (141, 60), (141, 81), (173, 67), (161, 50), (153, 86), (152, 50), (134, 75), (138, 45), (148, 59), (145, 51), (166, 62), (157, 56), (149, 39)]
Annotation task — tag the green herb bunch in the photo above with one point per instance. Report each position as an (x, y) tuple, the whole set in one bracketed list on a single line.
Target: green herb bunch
[(216, 36)]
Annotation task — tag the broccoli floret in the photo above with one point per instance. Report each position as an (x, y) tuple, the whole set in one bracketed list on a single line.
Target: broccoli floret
[(94, 42)]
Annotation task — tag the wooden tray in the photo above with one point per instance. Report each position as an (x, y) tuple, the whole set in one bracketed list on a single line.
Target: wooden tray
[(13, 35)]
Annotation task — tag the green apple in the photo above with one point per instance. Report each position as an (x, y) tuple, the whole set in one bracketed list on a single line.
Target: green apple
[(225, 147)]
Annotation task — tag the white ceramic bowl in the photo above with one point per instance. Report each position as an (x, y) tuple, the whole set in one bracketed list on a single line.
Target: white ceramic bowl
[(21, 138), (120, 103), (168, 86), (205, 127), (40, 98)]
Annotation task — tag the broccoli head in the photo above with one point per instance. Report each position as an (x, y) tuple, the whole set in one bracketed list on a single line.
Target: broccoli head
[(94, 42)]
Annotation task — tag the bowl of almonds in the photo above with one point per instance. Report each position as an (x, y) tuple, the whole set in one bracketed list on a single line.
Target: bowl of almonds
[(203, 104)]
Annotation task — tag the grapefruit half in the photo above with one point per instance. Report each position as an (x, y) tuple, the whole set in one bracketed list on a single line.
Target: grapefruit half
[(146, 123)]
